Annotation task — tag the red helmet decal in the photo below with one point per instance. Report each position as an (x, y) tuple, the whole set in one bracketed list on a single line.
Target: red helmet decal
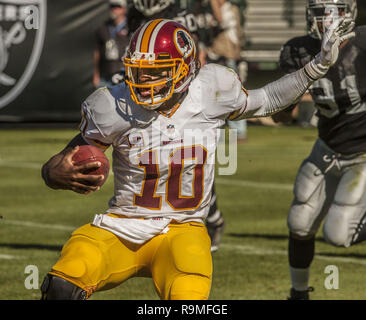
[(183, 42)]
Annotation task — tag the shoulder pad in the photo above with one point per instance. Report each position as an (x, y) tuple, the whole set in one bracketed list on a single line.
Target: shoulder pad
[(113, 111), (219, 90), (218, 76), (100, 106)]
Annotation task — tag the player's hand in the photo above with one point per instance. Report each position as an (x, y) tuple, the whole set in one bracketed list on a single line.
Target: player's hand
[(332, 39), (60, 173), (335, 26)]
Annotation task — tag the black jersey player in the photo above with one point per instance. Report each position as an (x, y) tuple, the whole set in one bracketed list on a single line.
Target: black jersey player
[(141, 11), (331, 182)]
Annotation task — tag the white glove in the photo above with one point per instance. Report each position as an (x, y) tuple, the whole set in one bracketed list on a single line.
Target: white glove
[(332, 39)]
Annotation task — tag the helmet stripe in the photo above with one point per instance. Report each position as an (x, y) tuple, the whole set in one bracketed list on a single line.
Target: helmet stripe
[(140, 36), (147, 35), (155, 33)]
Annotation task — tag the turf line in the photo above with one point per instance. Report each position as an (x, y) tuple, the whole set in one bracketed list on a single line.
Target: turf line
[(9, 257), (223, 181), (37, 225), (17, 164), (243, 249), (252, 184)]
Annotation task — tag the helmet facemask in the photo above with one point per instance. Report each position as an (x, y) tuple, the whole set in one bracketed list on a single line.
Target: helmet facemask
[(153, 80), (161, 61), (318, 11)]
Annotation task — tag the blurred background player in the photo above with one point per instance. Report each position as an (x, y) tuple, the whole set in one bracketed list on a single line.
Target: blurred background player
[(331, 182), (226, 47), (112, 41), (220, 35), (141, 11)]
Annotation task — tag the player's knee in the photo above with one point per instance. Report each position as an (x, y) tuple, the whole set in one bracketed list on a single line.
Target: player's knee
[(190, 287), (192, 253), (336, 239), (299, 221), (335, 229), (56, 288), (80, 261)]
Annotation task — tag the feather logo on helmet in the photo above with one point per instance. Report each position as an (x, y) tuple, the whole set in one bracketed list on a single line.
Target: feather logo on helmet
[(183, 42)]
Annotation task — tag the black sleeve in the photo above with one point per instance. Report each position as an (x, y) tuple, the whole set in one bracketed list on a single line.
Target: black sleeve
[(297, 52), (99, 37), (134, 19), (361, 37), (286, 62), (292, 57)]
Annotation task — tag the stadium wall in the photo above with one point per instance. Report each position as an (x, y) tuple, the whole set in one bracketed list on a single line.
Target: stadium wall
[(46, 64), (46, 57)]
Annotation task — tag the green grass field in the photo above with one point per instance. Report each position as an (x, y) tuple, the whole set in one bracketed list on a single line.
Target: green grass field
[(250, 264)]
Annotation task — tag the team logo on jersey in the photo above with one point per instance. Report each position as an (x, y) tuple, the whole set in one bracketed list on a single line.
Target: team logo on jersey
[(183, 42), (22, 31), (173, 135), (170, 130), (136, 139)]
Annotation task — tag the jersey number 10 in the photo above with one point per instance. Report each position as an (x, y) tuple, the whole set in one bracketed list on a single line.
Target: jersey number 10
[(173, 196)]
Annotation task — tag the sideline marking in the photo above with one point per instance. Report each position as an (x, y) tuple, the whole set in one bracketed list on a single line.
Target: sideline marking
[(9, 257), (37, 225)]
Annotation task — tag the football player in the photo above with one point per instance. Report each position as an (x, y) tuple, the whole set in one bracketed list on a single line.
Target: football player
[(331, 182), (162, 124), (141, 11)]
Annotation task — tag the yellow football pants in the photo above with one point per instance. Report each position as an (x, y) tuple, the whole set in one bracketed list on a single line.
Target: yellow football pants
[(179, 261)]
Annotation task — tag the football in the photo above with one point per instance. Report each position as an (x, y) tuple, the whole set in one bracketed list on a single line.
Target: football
[(89, 153)]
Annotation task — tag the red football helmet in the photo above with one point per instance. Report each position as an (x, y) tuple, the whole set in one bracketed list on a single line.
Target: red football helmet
[(160, 47)]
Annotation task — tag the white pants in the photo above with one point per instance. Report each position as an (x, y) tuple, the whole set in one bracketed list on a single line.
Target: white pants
[(330, 186)]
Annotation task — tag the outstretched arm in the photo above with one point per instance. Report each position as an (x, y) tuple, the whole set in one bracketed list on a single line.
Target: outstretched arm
[(59, 172), (280, 94)]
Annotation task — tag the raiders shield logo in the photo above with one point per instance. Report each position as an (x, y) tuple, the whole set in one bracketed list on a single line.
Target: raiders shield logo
[(22, 31)]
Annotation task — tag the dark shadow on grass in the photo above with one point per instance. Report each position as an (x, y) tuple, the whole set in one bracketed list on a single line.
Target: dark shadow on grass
[(285, 237), (31, 246), (49, 140), (38, 125), (265, 236), (342, 255)]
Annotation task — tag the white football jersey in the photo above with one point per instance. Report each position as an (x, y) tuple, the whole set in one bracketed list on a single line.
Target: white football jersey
[(164, 165)]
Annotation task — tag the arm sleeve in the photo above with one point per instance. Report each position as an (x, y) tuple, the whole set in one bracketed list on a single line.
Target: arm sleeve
[(277, 95)]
